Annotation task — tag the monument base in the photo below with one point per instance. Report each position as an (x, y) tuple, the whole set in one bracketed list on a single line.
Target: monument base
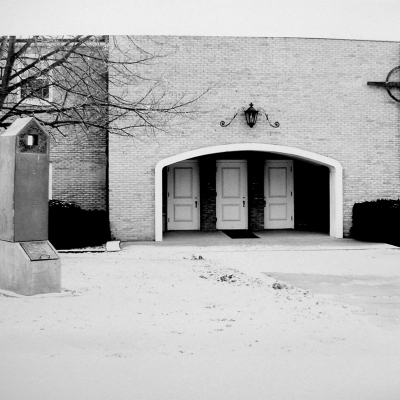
[(29, 268)]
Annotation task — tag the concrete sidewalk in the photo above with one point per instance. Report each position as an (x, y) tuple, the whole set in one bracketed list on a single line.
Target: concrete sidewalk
[(273, 239)]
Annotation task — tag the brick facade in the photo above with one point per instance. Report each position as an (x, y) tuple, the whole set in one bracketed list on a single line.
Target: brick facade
[(317, 90), (79, 169)]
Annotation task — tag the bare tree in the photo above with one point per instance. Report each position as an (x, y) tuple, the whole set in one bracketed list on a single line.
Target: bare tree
[(64, 81)]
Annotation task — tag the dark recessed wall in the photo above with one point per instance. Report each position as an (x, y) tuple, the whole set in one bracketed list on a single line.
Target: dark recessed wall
[(311, 197)]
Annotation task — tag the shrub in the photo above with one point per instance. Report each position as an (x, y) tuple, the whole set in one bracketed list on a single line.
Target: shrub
[(72, 227), (377, 221)]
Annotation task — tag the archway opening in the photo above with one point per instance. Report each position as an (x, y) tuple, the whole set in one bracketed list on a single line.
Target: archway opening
[(317, 187)]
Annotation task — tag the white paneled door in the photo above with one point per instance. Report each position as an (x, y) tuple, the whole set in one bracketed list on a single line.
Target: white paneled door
[(278, 192), (232, 202), (183, 196)]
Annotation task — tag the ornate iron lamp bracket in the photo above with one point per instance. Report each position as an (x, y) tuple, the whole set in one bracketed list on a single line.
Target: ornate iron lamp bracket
[(243, 109), (224, 124), (275, 124)]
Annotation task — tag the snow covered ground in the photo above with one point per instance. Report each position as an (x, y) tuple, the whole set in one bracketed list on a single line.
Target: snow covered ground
[(159, 322)]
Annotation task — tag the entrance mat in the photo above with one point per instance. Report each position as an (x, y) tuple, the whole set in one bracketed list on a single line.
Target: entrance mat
[(240, 234)]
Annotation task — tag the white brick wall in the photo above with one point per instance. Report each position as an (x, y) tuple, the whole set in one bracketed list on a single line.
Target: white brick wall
[(317, 90)]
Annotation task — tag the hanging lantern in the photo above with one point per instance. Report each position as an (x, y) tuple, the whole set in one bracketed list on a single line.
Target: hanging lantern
[(251, 115)]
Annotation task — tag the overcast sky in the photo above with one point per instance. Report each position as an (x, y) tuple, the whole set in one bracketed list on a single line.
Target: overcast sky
[(340, 19)]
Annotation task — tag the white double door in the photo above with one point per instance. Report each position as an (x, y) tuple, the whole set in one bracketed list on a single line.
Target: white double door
[(232, 199), (183, 196), (278, 195)]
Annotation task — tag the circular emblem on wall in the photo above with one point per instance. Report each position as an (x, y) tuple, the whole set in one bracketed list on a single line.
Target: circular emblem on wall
[(393, 84)]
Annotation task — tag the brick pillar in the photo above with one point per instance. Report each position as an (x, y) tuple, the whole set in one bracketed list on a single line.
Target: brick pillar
[(256, 193), (208, 219)]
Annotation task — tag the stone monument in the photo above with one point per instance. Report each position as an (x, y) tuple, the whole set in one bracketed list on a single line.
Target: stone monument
[(29, 264)]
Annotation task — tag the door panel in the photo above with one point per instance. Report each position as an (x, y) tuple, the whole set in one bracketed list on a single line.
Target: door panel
[(183, 213), (231, 212), (183, 182), (230, 182), (232, 194), (278, 212), (277, 181), (183, 196), (278, 195)]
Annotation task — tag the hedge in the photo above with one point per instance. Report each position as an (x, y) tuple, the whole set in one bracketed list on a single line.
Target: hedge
[(377, 221), (72, 227)]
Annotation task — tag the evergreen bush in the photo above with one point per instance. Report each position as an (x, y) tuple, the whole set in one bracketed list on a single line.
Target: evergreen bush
[(72, 227), (377, 221)]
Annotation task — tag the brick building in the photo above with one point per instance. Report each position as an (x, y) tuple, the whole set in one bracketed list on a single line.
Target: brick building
[(337, 143)]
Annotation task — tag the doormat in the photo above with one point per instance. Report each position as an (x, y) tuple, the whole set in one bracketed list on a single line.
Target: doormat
[(240, 234)]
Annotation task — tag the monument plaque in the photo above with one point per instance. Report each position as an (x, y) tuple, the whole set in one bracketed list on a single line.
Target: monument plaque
[(39, 251)]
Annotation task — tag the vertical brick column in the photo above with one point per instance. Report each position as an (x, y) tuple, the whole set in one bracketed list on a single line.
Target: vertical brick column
[(256, 193), (208, 219)]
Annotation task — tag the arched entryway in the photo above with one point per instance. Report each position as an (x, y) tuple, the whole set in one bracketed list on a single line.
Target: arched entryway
[(335, 177)]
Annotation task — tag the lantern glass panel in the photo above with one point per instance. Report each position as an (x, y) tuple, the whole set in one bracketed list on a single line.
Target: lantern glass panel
[(251, 116)]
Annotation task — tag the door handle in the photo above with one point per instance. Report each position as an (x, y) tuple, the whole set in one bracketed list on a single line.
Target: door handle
[(244, 203), (195, 203)]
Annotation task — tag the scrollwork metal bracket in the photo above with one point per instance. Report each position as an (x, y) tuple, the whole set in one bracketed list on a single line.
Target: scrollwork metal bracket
[(275, 124), (224, 124)]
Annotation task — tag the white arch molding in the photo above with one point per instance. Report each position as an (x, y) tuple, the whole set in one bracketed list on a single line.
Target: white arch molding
[(335, 177)]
